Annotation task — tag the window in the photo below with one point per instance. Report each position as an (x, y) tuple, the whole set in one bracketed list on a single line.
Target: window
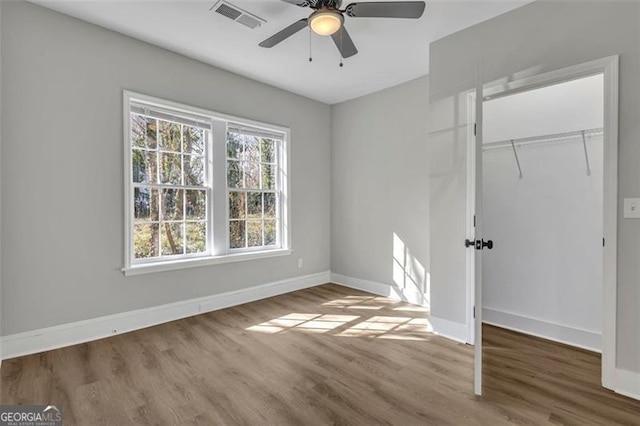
[(252, 189), (201, 187)]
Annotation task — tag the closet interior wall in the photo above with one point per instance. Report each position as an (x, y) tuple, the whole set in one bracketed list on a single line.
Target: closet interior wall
[(542, 205)]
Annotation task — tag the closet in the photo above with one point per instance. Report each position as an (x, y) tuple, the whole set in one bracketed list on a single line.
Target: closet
[(542, 201)]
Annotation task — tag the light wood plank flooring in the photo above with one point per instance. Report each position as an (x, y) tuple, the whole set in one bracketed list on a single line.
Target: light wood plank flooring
[(326, 355)]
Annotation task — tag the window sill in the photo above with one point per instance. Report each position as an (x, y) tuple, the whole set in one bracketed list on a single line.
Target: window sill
[(148, 268)]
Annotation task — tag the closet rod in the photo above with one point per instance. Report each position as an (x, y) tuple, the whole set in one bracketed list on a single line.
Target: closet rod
[(542, 139)]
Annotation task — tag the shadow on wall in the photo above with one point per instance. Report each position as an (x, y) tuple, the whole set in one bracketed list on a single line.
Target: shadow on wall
[(410, 277)]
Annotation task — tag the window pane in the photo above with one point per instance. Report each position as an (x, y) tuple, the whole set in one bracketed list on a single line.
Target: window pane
[(170, 168), (172, 204), (196, 204), (143, 131), (144, 166), (169, 136), (270, 233), (254, 205), (171, 238), (254, 233), (252, 165), (234, 145), (252, 149), (196, 236), (193, 170), (145, 241), (268, 176), (234, 174), (269, 205), (268, 149), (252, 175), (236, 234), (145, 201), (193, 140), (237, 203)]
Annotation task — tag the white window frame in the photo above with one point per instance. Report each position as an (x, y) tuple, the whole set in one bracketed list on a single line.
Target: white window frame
[(218, 250)]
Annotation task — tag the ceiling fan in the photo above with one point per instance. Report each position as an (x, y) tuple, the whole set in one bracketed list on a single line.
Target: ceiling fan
[(327, 19)]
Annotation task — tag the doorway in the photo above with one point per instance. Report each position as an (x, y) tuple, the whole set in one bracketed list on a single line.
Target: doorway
[(542, 208), (536, 280)]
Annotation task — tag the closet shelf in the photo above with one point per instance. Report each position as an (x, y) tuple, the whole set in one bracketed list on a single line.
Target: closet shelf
[(542, 139), (567, 136)]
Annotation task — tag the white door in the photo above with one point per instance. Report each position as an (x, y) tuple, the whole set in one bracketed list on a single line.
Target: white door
[(480, 242)]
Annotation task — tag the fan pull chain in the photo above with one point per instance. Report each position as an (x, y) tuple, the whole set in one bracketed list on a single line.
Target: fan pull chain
[(341, 32), (310, 57)]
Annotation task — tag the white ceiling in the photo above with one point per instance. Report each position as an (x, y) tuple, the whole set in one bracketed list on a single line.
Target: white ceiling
[(391, 51)]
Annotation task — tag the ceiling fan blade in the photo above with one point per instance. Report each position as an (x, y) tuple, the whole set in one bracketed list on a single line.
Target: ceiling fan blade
[(301, 3), (386, 9), (343, 42), (284, 34)]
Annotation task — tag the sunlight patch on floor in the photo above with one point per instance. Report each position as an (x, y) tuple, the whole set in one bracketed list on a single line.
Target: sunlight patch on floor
[(395, 327), (307, 322)]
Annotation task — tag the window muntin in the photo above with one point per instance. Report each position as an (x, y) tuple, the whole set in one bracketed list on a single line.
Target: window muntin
[(201, 187)]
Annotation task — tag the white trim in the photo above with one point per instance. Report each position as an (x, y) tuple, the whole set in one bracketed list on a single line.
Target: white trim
[(445, 328), (608, 66), (479, 233), (391, 291), (627, 383), (59, 336), (449, 329), (184, 263), (470, 255), (496, 90), (610, 229), (585, 339)]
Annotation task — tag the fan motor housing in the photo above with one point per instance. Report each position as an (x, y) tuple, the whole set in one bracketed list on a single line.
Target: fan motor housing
[(329, 4)]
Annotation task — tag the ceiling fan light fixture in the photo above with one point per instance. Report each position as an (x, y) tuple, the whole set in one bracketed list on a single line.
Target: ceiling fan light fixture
[(325, 22)]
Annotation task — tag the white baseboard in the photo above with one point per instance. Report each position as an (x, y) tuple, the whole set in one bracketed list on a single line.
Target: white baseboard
[(441, 327), (547, 330), (59, 336), (627, 383), (406, 295), (449, 329)]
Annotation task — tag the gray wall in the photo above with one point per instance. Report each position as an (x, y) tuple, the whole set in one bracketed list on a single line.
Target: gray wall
[(0, 186), (62, 169), (379, 187), (539, 37)]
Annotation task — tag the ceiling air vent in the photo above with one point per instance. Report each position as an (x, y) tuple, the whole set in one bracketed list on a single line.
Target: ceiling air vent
[(243, 17)]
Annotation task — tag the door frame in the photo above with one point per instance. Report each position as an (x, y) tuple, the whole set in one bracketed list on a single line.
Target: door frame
[(609, 67)]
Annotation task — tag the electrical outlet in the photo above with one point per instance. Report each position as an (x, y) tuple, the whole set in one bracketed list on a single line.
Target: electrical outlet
[(632, 208), (300, 263)]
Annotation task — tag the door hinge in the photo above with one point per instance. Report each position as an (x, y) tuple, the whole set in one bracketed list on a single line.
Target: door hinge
[(603, 242), (474, 312), (475, 129), (474, 220)]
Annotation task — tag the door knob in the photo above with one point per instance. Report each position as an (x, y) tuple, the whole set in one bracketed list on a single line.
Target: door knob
[(479, 244)]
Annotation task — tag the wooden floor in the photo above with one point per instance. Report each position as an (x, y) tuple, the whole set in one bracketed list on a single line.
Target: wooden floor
[(326, 355)]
